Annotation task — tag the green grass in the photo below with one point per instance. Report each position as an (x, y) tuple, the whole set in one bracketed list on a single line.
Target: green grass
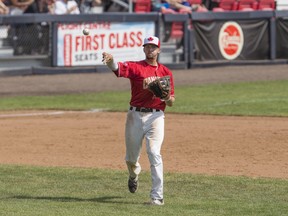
[(47, 191), (248, 99)]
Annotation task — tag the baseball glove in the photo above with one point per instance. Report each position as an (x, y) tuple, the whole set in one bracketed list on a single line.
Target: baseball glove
[(160, 87)]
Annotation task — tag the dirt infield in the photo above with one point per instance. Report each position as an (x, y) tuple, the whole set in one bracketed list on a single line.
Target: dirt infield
[(199, 144)]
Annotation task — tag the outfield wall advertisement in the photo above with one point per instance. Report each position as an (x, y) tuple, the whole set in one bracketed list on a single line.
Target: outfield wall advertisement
[(123, 40), (232, 40)]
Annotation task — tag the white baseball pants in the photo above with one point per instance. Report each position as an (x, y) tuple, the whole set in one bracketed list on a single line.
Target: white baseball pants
[(149, 125)]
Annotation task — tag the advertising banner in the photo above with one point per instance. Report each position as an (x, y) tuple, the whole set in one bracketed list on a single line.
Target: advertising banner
[(232, 40), (123, 40)]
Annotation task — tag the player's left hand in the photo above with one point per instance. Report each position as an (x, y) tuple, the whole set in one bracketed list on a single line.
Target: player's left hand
[(161, 87)]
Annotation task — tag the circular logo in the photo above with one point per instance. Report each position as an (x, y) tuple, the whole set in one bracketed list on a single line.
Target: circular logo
[(230, 40)]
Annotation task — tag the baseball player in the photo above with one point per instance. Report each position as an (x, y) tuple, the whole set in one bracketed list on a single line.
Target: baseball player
[(145, 117)]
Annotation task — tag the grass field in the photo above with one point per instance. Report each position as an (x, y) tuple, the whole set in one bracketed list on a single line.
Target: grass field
[(253, 99), (75, 192), (28, 190)]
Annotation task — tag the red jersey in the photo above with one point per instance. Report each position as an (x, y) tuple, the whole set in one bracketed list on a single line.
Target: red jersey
[(141, 74)]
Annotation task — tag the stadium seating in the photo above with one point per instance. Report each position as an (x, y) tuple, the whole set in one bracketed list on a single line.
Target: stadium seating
[(247, 5), (226, 5), (177, 28), (142, 6), (266, 4)]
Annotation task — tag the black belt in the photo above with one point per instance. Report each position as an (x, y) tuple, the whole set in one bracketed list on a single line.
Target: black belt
[(143, 109)]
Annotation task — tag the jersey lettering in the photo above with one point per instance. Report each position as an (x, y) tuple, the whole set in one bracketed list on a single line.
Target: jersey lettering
[(148, 80)]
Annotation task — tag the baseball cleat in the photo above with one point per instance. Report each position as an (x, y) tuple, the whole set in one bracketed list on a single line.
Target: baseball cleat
[(133, 184), (156, 202)]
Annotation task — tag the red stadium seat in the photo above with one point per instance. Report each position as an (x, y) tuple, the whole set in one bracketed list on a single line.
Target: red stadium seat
[(194, 2), (142, 6), (247, 5), (226, 5), (177, 30), (266, 5)]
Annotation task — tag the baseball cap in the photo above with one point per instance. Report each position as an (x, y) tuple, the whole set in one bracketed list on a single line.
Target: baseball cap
[(152, 40)]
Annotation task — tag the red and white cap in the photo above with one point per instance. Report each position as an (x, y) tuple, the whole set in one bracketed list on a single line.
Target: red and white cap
[(152, 40)]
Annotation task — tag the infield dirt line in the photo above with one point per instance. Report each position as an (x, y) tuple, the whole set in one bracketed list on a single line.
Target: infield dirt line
[(13, 115)]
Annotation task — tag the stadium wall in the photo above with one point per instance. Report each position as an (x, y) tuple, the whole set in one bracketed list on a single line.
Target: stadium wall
[(45, 44)]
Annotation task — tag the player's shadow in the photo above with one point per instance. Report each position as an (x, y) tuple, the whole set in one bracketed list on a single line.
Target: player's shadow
[(103, 199)]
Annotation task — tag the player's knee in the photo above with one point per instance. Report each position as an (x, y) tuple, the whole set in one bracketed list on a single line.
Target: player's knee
[(155, 159)]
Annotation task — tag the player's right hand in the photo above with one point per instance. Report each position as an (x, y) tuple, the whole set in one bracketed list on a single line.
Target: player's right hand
[(106, 57)]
